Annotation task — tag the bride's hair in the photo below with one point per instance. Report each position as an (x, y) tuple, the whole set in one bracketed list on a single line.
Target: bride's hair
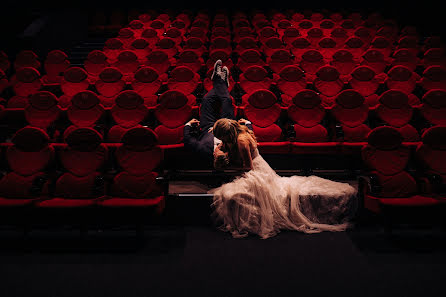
[(228, 130)]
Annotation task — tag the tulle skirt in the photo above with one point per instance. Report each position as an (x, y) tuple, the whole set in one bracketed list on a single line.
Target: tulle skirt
[(262, 202)]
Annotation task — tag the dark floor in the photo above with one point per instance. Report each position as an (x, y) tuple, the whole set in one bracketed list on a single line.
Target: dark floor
[(199, 260)]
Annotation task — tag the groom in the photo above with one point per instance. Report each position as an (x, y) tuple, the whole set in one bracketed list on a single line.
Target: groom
[(215, 105)]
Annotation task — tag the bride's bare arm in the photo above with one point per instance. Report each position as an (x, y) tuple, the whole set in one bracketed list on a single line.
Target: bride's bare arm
[(244, 148)]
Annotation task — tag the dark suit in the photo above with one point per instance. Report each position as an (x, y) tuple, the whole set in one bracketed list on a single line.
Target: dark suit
[(215, 105)]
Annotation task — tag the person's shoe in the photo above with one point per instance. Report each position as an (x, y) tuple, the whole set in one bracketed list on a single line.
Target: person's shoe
[(217, 69), (225, 75)]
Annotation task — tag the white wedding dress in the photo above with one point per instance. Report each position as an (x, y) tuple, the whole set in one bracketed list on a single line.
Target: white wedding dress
[(262, 202)]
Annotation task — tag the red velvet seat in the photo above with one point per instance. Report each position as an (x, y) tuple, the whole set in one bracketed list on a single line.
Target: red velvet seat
[(299, 46), (185, 80), (394, 109), (263, 110), (431, 155), (175, 34), (28, 157), (137, 27), (307, 113), (4, 82), (314, 35), (112, 48), (181, 25), (75, 80), (386, 159), (327, 26), (289, 35), (383, 45), (55, 64), (434, 57), (433, 108), (344, 62), (249, 57), (109, 85), (311, 61), (151, 36), (141, 47), (351, 112), (328, 83), (339, 35), (126, 36), (364, 80), (434, 77), (279, 59), (81, 185), (356, 46), (219, 55), (127, 63), (135, 185), (26, 58), (375, 59), (158, 25), (404, 57), (303, 26), (96, 62), (128, 111), (221, 43), (42, 110), (198, 32), (433, 41), (365, 34), (146, 83), (410, 43), (25, 82), (266, 32), (85, 110), (195, 44), (167, 45), (190, 59), (271, 45), (403, 79), (243, 33), (254, 78), (172, 112), (328, 47), (290, 80), (159, 60)]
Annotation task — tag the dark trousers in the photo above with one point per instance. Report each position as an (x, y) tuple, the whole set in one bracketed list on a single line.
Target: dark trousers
[(216, 104)]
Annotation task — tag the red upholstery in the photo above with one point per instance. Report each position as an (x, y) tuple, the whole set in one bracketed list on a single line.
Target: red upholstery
[(75, 80), (254, 78), (339, 35), (410, 43), (327, 47), (351, 112), (394, 109), (96, 62), (290, 34), (221, 43), (402, 78), (195, 44), (151, 35), (141, 48), (4, 62), (328, 83), (55, 64), (158, 60), (109, 84), (299, 46), (433, 108), (249, 57), (290, 80), (219, 55), (366, 82), (146, 83), (356, 46), (344, 62), (128, 111), (434, 77), (26, 58), (25, 82), (374, 59), (42, 110), (112, 48), (190, 59), (431, 152), (4, 83), (271, 44), (307, 112), (404, 57), (434, 56), (314, 35), (183, 79), (167, 45), (279, 59), (127, 63), (383, 45), (311, 61)]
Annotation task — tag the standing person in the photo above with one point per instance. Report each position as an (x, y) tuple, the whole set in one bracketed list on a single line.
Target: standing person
[(216, 104)]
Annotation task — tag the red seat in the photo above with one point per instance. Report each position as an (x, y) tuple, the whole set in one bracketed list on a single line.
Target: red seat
[(180, 25), (26, 58), (434, 57), (141, 47), (112, 48), (432, 42), (199, 33), (135, 185), (327, 26), (351, 112), (96, 62), (146, 83), (375, 59), (289, 35), (328, 83), (109, 85), (28, 157), (314, 35), (4, 83), (175, 34), (386, 159), (195, 44), (279, 59), (410, 43), (75, 80), (365, 34), (356, 46), (219, 55), (5, 64), (383, 45), (403, 79), (299, 46), (311, 61), (127, 111), (55, 64), (344, 62), (167, 45), (290, 80), (183, 79), (249, 57), (158, 25), (85, 110), (395, 110), (137, 27), (431, 156), (254, 78), (42, 110), (433, 108), (241, 33), (364, 80), (339, 35), (307, 113), (266, 32), (159, 60), (303, 26), (434, 77), (172, 112), (271, 45), (190, 59), (25, 82), (126, 36), (127, 63), (404, 57), (80, 186), (328, 47), (151, 36)]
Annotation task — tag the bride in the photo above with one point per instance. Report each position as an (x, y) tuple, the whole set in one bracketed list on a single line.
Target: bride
[(262, 202)]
